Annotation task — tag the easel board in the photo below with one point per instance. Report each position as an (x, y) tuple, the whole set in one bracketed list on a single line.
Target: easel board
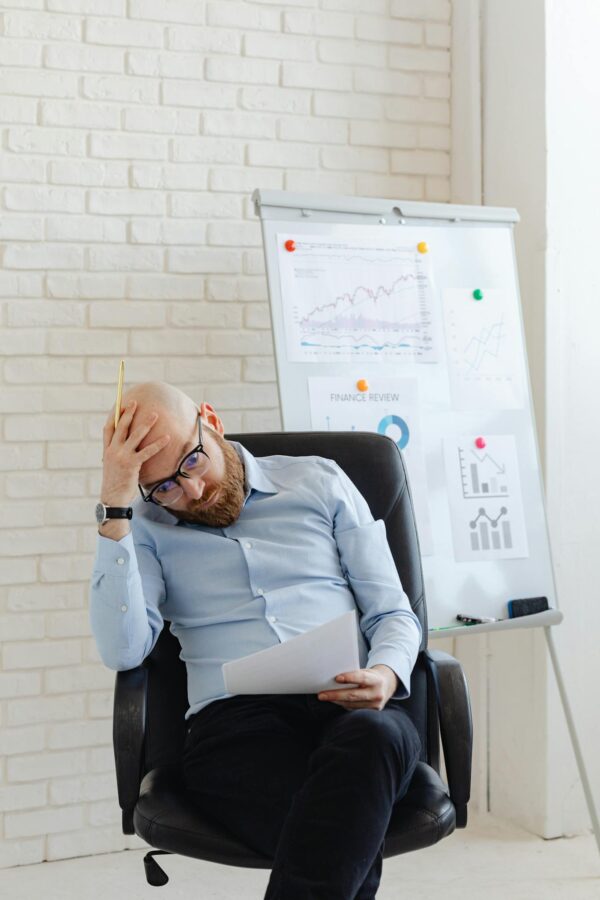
[(354, 300)]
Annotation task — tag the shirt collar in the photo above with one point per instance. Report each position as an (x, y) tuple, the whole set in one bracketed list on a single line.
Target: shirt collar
[(255, 481)]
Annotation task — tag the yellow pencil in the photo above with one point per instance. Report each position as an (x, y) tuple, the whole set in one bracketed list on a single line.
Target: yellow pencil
[(119, 391)]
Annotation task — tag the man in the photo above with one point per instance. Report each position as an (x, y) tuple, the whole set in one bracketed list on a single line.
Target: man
[(239, 554)]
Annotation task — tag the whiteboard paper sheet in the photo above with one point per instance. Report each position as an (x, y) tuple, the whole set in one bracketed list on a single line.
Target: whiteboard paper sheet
[(486, 503), (305, 664), (485, 354), (366, 297), (390, 406)]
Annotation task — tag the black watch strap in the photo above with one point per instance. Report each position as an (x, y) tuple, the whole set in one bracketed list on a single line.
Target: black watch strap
[(104, 513), (118, 512)]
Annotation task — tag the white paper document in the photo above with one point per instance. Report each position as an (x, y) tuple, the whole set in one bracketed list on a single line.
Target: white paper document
[(486, 503), (485, 353), (305, 664), (390, 406), (357, 295)]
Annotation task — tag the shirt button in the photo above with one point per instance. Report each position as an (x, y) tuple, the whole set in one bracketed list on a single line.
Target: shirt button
[(259, 591), (120, 561), (248, 545), (123, 608), (272, 618)]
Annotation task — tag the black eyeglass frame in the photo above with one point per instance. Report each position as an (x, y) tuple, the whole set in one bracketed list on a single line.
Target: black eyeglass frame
[(199, 448)]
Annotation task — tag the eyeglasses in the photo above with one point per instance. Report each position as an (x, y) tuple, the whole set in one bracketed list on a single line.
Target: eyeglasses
[(168, 492)]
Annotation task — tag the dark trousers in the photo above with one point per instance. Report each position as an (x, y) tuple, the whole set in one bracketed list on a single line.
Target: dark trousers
[(306, 782)]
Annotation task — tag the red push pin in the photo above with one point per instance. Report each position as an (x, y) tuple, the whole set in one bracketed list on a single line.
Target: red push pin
[(480, 443), (290, 246)]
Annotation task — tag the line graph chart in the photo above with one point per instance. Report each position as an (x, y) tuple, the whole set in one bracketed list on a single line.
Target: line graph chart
[(345, 299), (482, 338), (487, 343)]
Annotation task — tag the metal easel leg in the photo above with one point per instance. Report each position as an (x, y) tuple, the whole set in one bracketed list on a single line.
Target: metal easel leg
[(571, 726)]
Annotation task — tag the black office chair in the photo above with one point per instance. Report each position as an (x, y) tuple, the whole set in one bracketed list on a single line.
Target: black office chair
[(150, 700)]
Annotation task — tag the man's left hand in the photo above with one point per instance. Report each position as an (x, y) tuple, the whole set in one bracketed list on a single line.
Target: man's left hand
[(374, 688)]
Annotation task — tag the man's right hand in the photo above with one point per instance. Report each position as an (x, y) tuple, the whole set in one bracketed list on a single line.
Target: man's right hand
[(122, 463)]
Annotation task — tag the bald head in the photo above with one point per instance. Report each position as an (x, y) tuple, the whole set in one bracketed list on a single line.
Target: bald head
[(159, 397)]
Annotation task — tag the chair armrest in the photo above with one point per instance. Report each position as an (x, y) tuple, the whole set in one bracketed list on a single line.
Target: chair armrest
[(129, 725), (456, 727)]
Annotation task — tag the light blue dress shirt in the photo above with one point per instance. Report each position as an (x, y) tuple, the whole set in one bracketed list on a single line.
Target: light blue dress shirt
[(304, 550)]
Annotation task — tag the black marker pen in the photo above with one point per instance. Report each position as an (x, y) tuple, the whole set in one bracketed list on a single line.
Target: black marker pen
[(472, 620)]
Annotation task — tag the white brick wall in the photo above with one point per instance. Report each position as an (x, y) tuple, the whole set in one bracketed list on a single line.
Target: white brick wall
[(133, 132)]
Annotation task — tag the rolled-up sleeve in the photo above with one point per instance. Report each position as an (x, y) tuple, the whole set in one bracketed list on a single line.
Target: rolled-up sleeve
[(392, 630), (124, 606)]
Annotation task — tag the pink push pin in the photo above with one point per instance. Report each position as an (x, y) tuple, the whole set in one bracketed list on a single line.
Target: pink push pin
[(480, 443)]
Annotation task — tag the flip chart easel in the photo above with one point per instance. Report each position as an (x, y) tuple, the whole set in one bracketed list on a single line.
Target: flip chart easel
[(339, 270)]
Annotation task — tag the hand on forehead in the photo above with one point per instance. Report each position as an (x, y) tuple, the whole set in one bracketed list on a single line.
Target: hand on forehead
[(175, 413)]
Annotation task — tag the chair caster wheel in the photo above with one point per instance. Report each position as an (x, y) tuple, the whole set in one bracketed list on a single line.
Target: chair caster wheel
[(155, 876)]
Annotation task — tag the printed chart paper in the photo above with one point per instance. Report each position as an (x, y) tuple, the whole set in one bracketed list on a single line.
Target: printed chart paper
[(390, 407), (357, 298), (305, 664), (484, 349), (486, 505)]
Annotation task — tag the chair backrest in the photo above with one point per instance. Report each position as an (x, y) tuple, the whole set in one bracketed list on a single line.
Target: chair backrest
[(375, 465)]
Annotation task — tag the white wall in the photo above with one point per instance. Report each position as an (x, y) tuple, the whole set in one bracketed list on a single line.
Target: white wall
[(573, 377), (540, 140), (514, 174), (132, 134)]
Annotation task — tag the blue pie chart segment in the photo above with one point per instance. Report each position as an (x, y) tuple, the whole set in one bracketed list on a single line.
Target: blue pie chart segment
[(390, 421)]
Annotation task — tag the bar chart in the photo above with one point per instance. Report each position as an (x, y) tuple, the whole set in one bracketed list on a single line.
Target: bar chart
[(481, 475), (486, 504), (489, 532)]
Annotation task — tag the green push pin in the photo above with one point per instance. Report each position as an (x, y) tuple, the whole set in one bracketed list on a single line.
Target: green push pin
[(478, 294)]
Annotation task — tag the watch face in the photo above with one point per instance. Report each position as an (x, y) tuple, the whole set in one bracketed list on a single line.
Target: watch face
[(100, 513)]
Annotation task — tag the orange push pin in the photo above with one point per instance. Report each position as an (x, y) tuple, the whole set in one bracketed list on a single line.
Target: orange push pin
[(422, 247), (480, 443), (362, 384), (290, 246)]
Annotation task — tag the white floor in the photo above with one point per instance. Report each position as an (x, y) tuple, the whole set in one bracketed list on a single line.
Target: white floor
[(490, 860)]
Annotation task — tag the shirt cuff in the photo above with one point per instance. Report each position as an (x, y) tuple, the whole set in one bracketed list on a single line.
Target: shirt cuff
[(116, 558)]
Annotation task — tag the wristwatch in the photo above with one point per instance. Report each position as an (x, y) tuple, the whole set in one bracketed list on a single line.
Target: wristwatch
[(104, 513)]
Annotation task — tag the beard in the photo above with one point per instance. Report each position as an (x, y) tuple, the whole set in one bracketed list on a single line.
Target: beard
[(230, 504)]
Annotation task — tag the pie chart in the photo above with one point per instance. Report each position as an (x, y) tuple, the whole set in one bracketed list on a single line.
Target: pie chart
[(390, 426)]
